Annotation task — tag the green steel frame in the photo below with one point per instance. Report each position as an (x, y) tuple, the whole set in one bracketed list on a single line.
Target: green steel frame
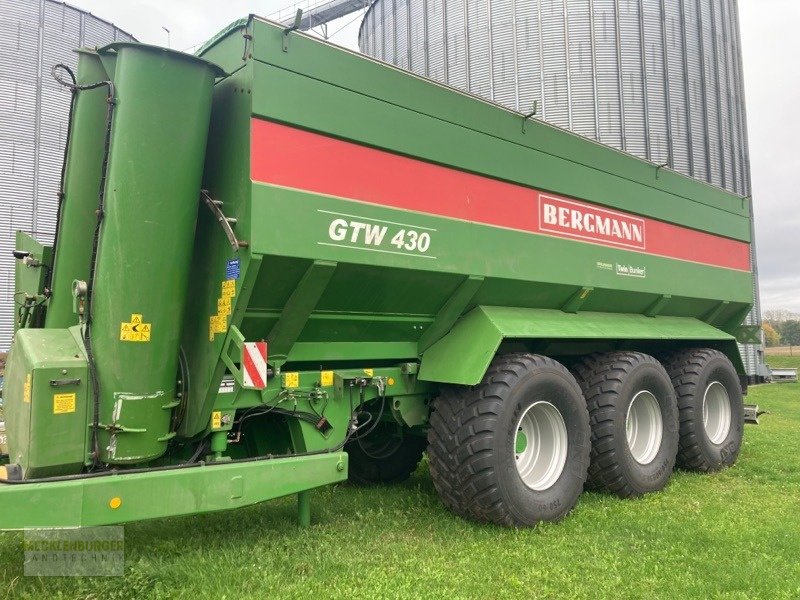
[(352, 332)]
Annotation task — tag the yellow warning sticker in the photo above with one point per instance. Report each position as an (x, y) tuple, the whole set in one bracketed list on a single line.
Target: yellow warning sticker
[(291, 380), (216, 419), (136, 330), (224, 307), (63, 404), (369, 372), (229, 288), (219, 324), (26, 389), (326, 378)]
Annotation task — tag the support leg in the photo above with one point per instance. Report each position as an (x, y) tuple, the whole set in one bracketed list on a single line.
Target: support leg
[(304, 508)]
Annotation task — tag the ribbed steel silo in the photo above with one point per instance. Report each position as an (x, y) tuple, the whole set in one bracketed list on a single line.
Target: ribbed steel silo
[(34, 36), (660, 79)]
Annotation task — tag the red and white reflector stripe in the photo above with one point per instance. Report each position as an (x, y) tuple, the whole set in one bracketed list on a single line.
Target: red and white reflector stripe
[(254, 365)]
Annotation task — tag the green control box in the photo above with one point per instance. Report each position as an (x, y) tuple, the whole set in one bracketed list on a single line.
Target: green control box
[(46, 400)]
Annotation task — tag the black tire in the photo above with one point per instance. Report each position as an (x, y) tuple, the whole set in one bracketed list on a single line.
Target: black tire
[(387, 455), (693, 372), (443, 443), (610, 382), (474, 443)]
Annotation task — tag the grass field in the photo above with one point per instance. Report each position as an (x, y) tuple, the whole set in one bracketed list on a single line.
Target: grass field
[(779, 351), (735, 534), (779, 361)]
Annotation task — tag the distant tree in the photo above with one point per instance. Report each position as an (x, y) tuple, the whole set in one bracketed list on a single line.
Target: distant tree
[(779, 315), (790, 332), (771, 335)]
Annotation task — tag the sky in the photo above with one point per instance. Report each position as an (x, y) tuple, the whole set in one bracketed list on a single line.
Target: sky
[(770, 45)]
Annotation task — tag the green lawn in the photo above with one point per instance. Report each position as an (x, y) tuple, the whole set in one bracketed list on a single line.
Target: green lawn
[(783, 361), (731, 535)]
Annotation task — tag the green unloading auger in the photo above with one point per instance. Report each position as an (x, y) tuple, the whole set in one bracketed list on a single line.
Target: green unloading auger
[(80, 398)]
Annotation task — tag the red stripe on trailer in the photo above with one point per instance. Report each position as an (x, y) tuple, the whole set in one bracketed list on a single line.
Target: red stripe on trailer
[(254, 365), (282, 155)]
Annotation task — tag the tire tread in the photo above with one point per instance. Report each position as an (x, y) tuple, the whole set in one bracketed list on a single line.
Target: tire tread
[(601, 377), (685, 368), (460, 440)]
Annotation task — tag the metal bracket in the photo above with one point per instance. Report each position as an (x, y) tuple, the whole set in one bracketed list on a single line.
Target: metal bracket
[(573, 305), (64, 382), (227, 223), (749, 334), (530, 115), (713, 314), (411, 411), (235, 338), (656, 307), (298, 18), (247, 39), (752, 412), (449, 313), (298, 309)]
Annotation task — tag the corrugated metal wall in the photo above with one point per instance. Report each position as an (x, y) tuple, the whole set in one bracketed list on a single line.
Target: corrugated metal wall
[(661, 79), (35, 35)]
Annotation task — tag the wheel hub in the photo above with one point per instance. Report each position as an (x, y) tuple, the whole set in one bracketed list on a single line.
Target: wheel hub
[(644, 427), (540, 446), (716, 413)]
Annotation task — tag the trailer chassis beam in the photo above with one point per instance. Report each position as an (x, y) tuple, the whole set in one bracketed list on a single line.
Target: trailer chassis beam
[(122, 498)]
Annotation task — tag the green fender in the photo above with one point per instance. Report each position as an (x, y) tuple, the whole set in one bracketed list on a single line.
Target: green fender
[(463, 355)]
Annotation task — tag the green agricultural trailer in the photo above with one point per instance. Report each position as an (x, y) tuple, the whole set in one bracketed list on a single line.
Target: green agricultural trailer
[(280, 264)]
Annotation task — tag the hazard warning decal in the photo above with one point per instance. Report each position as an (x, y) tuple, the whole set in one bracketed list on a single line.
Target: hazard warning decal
[(218, 323), (135, 331), (254, 365)]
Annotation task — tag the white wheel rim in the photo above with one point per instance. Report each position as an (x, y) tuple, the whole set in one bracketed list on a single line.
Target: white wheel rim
[(644, 427), (540, 446), (716, 413)]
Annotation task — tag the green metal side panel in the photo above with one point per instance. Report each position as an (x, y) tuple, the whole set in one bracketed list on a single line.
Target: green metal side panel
[(46, 402), (378, 306), (29, 281), (164, 493), (350, 96), (463, 355), (461, 247), (226, 176)]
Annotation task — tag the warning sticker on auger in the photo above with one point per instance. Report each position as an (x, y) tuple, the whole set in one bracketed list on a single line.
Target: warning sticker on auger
[(136, 330)]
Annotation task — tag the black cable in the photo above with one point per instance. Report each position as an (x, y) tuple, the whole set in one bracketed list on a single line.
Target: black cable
[(377, 420), (22, 305), (303, 416), (200, 449), (321, 413), (48, 279), (87, 338)]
